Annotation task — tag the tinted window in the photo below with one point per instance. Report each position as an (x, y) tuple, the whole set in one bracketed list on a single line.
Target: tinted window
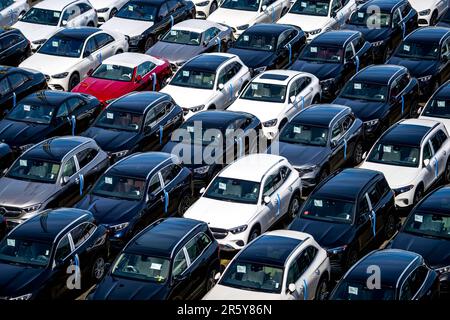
[(69, 168), (4, 86), (358, 44), (363, 206), (86, 156), (436, 142), (179, 263), (81, 233), (162, 11), (383, 187), (144, 68), (348, 121), (413, 283), (70, 13), (286, 37), (374, 196), (196, 246), (169, 173), (427, 153), (173, 5), (210, 33), (300, 265), (9, 41), (405, 10), (84, 7), (72, 104), (154, 185), (272, 183), (348, 52), (156, 113), (16, 80), (63, 249), (103, 39), (91, 46)]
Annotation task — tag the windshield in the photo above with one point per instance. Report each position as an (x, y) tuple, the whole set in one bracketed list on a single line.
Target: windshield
[(256, 41), (429, 224), (62, 46), (370, 19), (34, 170), (183, 37), (438, 107), (446, 17), (328, 210), (141, 267), (247, 5), (327, 54), (119, 120), (233, 190), (32, 113), (42, 16), (194, 79), (365, 91), (113, 72), (27, 252), (311, 7), (396, 155), (137, 10), (304, 134), (111, 186), (253, 276), (265, 92), (418, 51), (355, 291)]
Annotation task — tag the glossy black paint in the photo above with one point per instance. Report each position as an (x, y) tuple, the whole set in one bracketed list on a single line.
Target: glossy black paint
[(15, 48), (2, 227), (6, 156)]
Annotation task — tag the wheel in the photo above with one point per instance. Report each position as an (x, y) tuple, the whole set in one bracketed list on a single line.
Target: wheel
[(294, 206), (119, 51), (447, 172), (112, 13), (213, 7), (184, 204), (98, 269), (90, 24), (433, 19), (322, 289), (418, 194), (73, 81), (149, 43), (357, 154), (254, 234)]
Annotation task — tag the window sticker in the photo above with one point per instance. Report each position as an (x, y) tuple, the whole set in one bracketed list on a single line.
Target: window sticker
[(357, 86), (55, 44), (11, 242), (173, 32), (23, 163), (222, 186), (26, 107), (55, 169), (47, 252), (441, 104), (241, 269), (190, 129), (353, 290), (109, 115), (130, 8), (108, 180), (246, 38), (406, 48), (277, 285), (156, 266), (387, 149), (185, 73), (56, 14), (314, 49), (360, 14), (109, 67), (318, 203), (297, 129), (254, 86), (303, 4), (418, 218)]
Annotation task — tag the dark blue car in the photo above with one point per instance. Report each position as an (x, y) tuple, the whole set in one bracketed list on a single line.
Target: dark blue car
[(334, 57), (6, 156), (14, 47)]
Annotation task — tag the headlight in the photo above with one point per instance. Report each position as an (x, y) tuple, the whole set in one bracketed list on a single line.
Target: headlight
[(314, 32), (201, 170), (443, 270), (306, 169), (202, 4), (39, 42), (238, 229), (403, 189), (135, 40), (243, 27), (425, 12), (337, 250), (32, 208), (118, 227), (425, 79), (197, 108), (23, 297), (371, 123), (259, 70), (103, 10), (270, 123), (60, 75), (377, 43), (120, 154), (25, 147)]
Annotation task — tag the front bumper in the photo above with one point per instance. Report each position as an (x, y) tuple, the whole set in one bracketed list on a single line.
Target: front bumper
[(406, 199), (424, 21), (58, 84), (228, 241), (103, 17)]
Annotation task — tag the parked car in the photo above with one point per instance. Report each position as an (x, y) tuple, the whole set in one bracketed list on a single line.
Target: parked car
[(124, 73), (404, 276), (2, 227), (145, 21), (172, 259), (55, 173), (426, 232), (12, 10), (444, 20), (39, 256), (320, 140), (438, 107), (429, 10), (318, 16), (48, 16), (14, 47), (208, 81), (426, 52), (6, 157), (190, 38), (107, 9), (334, 57), (136, 192), (248, 197), (47, 114), (274, 97), (384, 23), (17, 83), (414, 156), (381, 95), (286, 265), (234, 134), (136, 122), (205, 8), (268, 46), (347, 214), (69, 55)]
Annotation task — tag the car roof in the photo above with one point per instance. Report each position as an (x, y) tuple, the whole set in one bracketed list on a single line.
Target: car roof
[(47, 225), (6, 30), (79, 33), (277, 76), (54, 4), (429, 34), (219, 119), (208, 62), (383, 5), (161, 238), (156, 2), (269, 28), (197, 25), (381, 74), (138, 102), (252, 167), (319, 115), (335, 37), (444, 91), (436, 202), (346, 184), (50, 97), (131, 59), (55, 149), (409, 132), (140, 165)]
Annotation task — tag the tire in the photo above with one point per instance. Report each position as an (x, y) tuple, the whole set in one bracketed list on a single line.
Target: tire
[(119, 51), (112, 13), (390, 227), (91, 24), (447, 172), (73, 81), (357, 156), (254, 233), (98, 268), (322, 290), (149, 43), (418, 194), (294, 206), (184, 204), (213, 7)]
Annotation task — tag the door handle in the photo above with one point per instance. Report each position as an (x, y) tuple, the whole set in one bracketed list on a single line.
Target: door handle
[(317, 272)]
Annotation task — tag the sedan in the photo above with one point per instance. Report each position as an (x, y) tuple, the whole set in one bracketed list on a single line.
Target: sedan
[(107, 9), (429, 10), (12, 10), (14, 47), (438, 107)]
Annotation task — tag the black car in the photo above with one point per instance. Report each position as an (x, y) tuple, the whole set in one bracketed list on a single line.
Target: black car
[(47, 114), (438, 106), (145, 21), (347, 213), (384, 24), (39, 259), (2, 226), (444, 20), (136, 191), (315, 141), (139, 121), (194, 148), (334, 57), (6, 156), (172, 259), (427, 232), (268, 46), (403, 275), (14, 47), (380, 96), (17, 83), (426, 54)]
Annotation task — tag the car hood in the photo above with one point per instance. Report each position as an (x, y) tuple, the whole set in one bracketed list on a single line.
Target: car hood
[(264, 111), (363, 109), (221, 214), (371, 35), (17, 280), (21, 193), (188, 97), (112, 140), (232, 18), (17, 133), (396, 176), (323, 71), (300, 155), (174, 52), (220, 292), (253, 58), (443, 24), (36, 31), (306, 22), (417, 68), (420, 5), (127, 27), (104, 89), (48, 64)]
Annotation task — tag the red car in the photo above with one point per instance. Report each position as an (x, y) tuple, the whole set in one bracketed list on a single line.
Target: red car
[(125, 73)]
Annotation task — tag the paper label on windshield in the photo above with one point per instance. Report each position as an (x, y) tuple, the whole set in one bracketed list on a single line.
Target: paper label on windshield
[(303, 4), (108, 180), (23, 163), (190, 129), (47, 252), (297, 129), (173, 33), (360, 14), (11, 242), (357, 86), (418, 218), (185, 73), (314, 49), (352, 290), (130, 8), (318, 203), (246, 38), (441, 104), (26, 107), (56, 14), (109, 115), (254, 86), (156, 266), (222, 186), (241, 269), (387, 149), (55, 44), (109, 67), (406, 48)]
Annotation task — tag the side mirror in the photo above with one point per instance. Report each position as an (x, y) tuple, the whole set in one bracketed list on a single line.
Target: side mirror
[(221, 86), (138, 78), (426, 162), (87, 53), (65, 180), (89, 73), (64, 23), (333, 144), (217, 276), (167, 80), (264, 8), (291, 288), (202, 191), (266, 200), (292, 99), (179, 278)]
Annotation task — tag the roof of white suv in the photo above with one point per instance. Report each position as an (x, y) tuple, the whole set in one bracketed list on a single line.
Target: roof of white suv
[(54, 4), (252, 167), (277, 76)]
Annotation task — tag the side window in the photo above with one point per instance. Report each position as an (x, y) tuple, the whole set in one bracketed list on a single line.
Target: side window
[(81, 233), (336, 5), (179, 263), (4, 86), (163, 12), (233, 70), (154, 186), (210, 34), (427, 153), (69, 168), (348, 121), (272, 183), (358, 44), (363, 206), (144, 68), (169, 173), (436, 142), (16, 80), (296, 87), (91, 46), (203, 241), (72, 104), (71, 13), (9, 41), (62, 111), (155, 114), (223, 75), (63, 249), (413, 283), (374, 195), (86, 156), (442, 136), (405, 9), (336, 132), (196, 246), (349, 52), (445, 51), (84, 7), (396, 18), (103, 39), (285, 173), (173, 5), (383, 187), (395, 91)]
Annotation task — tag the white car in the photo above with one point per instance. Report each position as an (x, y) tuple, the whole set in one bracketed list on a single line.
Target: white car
[(279, 265), (438, 106), (413, 155), (274, 97), (69, 55), (205, 7), (47, 17), (11, 11), (246, 198), (208, 81), (429, 11), (318, 16), (106, 9), (241, 14)]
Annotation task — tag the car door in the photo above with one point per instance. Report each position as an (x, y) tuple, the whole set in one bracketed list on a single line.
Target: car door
[(301, 274), (154, 208), (270, 11), (80, 237), (398, 28), (400, 100), (180, 276), (440, 153), (70, 191), (62, 260), (6, 92), (70, 16), (445, 60), (363, 224), (362, 53), (337, 144), (143, 71), (429, 170), (91, 58), (11, 84), (12, 48), (62, 123), (178, 10), (349, 63), (413, 283), (351, 135), (85, 160), (82, 118), (172, 187), (154, 128), (277, 206), (212, 39), (87, 14), (106, 45), (376, 208), (408, 24), (224, 95)]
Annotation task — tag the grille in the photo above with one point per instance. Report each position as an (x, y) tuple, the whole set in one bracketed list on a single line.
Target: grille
[(10, 212), (185, 111), (219, 233)]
